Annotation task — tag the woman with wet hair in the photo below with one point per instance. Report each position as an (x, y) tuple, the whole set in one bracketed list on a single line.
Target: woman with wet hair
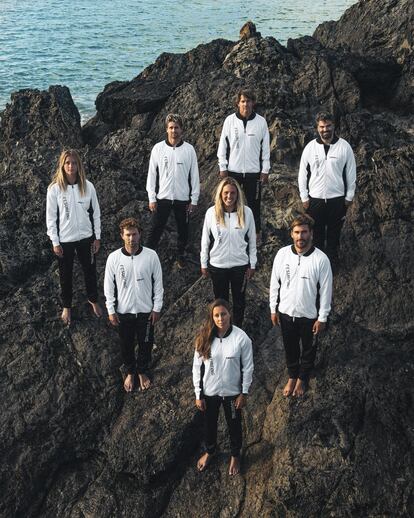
[(228, 245), (73, 221), (222, 375)]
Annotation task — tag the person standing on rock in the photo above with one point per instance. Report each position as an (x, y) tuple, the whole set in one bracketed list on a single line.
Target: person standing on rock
[(244, 151), (222, 375), (228, 245), (73, 220), (134, 294), (300, 273), (327, 176), (173, 168)]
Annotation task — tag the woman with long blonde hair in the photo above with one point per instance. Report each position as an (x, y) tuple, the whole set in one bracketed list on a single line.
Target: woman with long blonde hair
[(228, 245), (222, 375), (73, 220)]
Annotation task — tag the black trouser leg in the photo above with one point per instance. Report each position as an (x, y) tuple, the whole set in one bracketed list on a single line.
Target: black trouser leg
[(335, 218), (252, 188), (309, 343), (66, 272), (317, 211), (88, 263), (234, 424), (238, 283), (181, 218), (210, 422), (158, 222), (291, 338), (145, 334), (220, 278), (126, 330)]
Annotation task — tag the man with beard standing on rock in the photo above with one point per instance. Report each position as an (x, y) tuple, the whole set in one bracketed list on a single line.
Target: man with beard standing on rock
[(173, 184), (327, 176), (244, 151), (300, 273), (134, 292)]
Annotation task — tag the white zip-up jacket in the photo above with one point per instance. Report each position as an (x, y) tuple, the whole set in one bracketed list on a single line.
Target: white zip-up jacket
[(67, 216), (177, 171), (233, 245), (133, 283), (231, 356), (330, 175), (244, 145), (295, 280)]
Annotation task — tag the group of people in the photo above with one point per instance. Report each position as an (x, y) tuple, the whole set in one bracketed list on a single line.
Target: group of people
[(301, 280)]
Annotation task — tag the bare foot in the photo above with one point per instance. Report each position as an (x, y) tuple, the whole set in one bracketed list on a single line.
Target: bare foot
[(144, 381), (299, 388), (96, 308), (129, 383), (289, 387), (234, 468), (204, 461), (66, 316)]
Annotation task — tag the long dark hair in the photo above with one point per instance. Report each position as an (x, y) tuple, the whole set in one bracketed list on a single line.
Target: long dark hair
[(205, 335)]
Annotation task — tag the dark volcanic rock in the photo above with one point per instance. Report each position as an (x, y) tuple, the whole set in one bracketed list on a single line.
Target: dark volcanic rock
[(382, 31), (72, 443)]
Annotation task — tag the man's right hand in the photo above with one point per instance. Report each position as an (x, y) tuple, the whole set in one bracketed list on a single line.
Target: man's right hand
[(274, 318), (223, 174), (58, 250), (152, 206), (114, 319), (201, 404), (204, 272), (305, 204)]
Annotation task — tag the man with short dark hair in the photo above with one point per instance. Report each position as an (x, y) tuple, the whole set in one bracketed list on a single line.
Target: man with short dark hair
[(244, 151), (134, 292), (172, 184), (300, 272), (327, 176)]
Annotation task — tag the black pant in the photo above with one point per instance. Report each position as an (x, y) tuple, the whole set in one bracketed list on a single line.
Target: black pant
[(252, 188), (83, 250), (295, 330), (138, 325), (160, 218), (235, 277), (329, 216), (233, 419)]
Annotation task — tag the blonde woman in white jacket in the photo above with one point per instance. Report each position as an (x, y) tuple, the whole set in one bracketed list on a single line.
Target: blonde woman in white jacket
[(222, 375), (73, 221), (228, 245)]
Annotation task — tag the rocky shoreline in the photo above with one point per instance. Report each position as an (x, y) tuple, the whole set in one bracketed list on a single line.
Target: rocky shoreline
[(72, 443)]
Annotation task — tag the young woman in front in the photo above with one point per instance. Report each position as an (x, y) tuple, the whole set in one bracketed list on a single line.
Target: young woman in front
[(73, 221), (222, 375), (228, 245)]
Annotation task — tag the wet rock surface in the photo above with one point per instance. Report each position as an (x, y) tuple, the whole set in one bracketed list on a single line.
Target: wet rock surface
[(72, 442)]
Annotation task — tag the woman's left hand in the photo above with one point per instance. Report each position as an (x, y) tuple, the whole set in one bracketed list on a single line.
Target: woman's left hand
[(96, 245), (249, 273), (240, 402)]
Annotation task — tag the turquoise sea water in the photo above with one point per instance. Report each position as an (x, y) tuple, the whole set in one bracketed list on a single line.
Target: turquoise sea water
[(85, 44)]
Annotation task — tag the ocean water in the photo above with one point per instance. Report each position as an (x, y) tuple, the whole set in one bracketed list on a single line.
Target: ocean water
[(85, 44)]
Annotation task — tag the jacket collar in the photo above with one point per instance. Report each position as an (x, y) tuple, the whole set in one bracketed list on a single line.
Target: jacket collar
[(229, 330), (334, 141), (170, 145), (123, 250), (309, 252), (251, 117)]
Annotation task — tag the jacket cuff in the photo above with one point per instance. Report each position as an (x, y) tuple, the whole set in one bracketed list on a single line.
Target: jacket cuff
[(198, 394)]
